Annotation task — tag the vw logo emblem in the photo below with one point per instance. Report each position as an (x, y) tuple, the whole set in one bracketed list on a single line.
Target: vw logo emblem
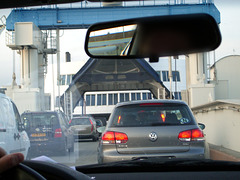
[(152, 136)]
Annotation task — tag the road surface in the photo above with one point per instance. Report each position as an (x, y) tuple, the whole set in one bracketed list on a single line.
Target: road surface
[(85, 153)]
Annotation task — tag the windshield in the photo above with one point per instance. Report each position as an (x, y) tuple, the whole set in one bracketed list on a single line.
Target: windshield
[(79, 110), (80, 121)]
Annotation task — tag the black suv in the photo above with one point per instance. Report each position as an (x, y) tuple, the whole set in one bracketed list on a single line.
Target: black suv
[(48, 131)]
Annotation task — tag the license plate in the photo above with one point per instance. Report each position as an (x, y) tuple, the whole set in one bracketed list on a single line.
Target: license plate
[(38, 135)]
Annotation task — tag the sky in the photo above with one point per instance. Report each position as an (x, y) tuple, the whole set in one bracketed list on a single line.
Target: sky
[(73, 41)]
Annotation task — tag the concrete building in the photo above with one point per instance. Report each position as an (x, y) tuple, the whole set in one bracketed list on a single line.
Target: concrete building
[(222, 115), (225, 75)]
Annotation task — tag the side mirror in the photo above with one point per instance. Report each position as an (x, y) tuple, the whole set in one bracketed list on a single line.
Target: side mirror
[(202, 126), (21, 127), (101, 129)]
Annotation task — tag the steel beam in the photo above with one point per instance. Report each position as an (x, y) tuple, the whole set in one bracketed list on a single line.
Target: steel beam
[(82, 18)]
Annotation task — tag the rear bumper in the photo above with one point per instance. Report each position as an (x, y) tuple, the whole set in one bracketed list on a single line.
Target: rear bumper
[(43, 148), (85, 136), (113, 156)]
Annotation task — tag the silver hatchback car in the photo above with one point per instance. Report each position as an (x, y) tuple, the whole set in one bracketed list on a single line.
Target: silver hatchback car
[(154, 128)]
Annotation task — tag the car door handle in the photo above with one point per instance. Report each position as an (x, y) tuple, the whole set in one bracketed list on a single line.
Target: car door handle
[(16, 136)]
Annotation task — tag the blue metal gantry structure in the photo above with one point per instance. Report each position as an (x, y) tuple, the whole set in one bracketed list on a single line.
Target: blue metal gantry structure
[(82, 18)]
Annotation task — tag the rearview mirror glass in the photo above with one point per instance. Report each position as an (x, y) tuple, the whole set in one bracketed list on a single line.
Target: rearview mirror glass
[(153, 37), (110, 41)]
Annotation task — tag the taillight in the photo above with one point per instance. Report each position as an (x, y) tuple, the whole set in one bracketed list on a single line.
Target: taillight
[(197, 134), (121, 138), (191, 135), (58, 133), (111, 137), (91, 124), (108, 137)]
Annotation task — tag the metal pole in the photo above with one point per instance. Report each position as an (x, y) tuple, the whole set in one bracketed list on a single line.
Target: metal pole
[(53, 81), (170, 74), (58, 66), (82, 99), (175, 74)]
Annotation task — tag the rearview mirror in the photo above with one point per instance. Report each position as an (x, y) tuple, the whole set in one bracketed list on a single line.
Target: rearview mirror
[(202, 126), (153, 37)]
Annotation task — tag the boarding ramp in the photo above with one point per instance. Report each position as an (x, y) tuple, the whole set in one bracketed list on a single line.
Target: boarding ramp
[(112, 75)]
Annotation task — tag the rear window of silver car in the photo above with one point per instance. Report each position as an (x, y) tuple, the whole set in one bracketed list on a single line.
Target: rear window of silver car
[(151, 115), (80, 121)]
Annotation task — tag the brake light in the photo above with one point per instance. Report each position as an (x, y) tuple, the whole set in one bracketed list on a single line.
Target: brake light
[(191, 135), (121, 138), (91, 124), (108, 137), (111, 137), (70, 121), (151, 104), (197, 134), (58, 133), (185, 135)]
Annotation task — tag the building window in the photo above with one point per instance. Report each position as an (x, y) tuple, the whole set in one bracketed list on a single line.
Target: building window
[(87, 100), (104, 99), (149, 96), (165, 76), (138, 96), (110, 99), (69, 79), (177, 95), (176, 76), (93, 100), (63, 79), (115, 99), (99, 99), (126, 96), (144, 96), (121, 97), (133, 96)]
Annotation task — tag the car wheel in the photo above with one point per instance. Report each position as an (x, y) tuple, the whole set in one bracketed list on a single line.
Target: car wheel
[(94, 139), (64, 150)]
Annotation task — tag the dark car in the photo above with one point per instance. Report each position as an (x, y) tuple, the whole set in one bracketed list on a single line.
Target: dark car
[(84, 127), (153, 128), (48, 132)]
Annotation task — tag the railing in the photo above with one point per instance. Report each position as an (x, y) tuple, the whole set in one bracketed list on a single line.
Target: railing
[(50, 39), (10, 38), (86, 4)]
